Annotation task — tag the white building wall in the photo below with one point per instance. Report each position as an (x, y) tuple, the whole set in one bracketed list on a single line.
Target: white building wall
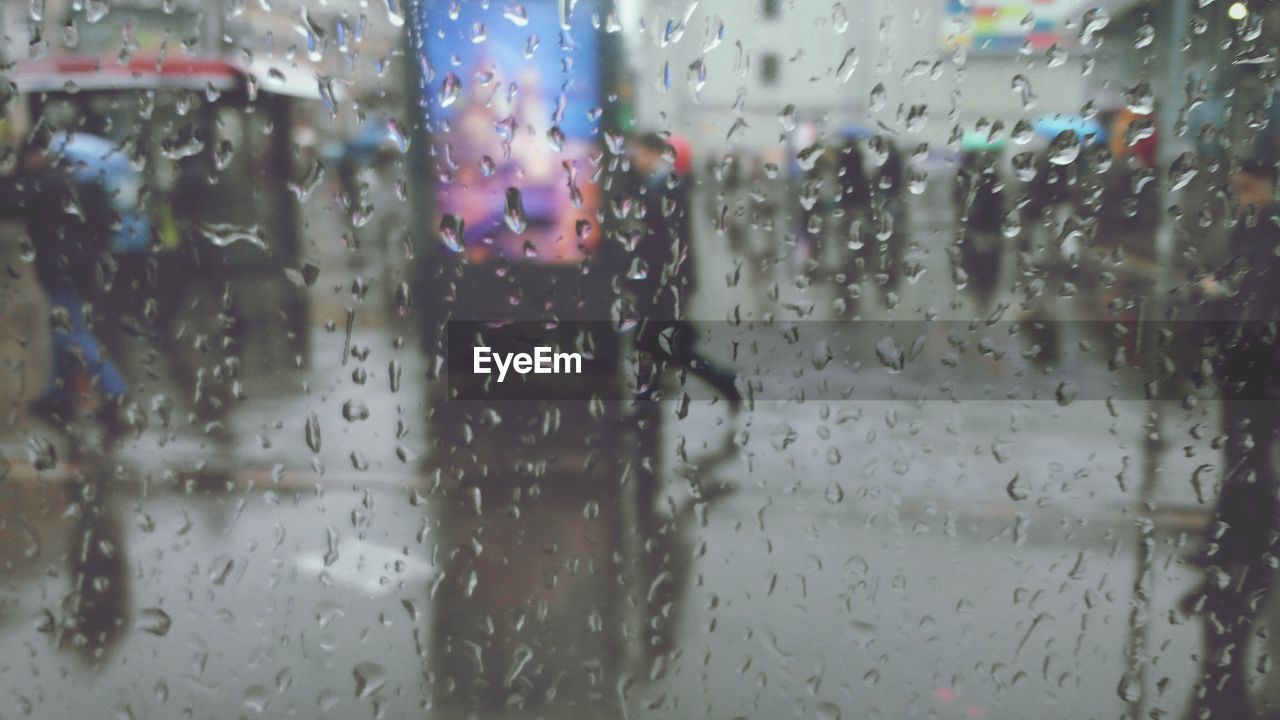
[(897, 43)]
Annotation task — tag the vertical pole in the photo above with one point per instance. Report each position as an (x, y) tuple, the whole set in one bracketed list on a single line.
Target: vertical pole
[(1154, 311)]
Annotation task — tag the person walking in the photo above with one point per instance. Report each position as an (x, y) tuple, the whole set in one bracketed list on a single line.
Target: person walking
[(62, 196), (662, 278)]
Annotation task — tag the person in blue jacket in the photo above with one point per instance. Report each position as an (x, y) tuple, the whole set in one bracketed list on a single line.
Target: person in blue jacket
[(67, 192)]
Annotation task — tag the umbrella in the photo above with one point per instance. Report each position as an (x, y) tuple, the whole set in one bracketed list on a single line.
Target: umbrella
[(684, 153), (1089, 130), (96, 159), (981, 142), (856, 132), (90, 157)]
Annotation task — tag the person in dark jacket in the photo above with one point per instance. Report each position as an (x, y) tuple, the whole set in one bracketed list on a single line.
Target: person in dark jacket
[(1239, 551), (661, 276), (661, 279), (979, 204)]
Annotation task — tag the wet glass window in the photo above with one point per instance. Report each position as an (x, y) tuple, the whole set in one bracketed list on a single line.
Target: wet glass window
[(639, 359)]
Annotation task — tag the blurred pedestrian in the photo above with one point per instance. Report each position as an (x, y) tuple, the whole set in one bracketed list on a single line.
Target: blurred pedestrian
[(61, 192), (1239, 551), (663, 278), (979, 205)]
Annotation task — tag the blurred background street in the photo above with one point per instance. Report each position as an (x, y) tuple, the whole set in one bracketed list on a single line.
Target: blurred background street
[(279, 508)]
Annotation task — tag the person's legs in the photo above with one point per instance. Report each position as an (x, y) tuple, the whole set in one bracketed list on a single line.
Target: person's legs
[(674, 344)]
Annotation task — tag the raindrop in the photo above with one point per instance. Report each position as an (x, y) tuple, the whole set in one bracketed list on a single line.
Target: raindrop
[(1182, 170), (1023, 132), (155, 621), (1065, 148), (370, 678), (355, 411), (517, 15), (1021, 85), (917, 116), (312, 432), (787, 118), (1056, 56), (359, 461), (302, 190), (1066, 393), (224, 234), (220, 569), (41, 453), (1024, 166), (451, 228), (1129, 690), (95, 10), (835, 493), (1017, 489), (878, 98), (890, 355), (1144, 36), (1093, 22), (395, 14), (1012, 225), (1141, 99), (450, 88), (513, 212), (737, 131), (848, 64), (839, 18)]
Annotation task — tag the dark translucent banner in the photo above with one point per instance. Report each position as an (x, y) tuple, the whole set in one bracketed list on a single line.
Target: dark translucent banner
[(1056, 361)]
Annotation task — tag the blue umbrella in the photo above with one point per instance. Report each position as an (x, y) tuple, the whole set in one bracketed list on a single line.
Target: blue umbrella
[(857, 132), (95, 159), (1090, 131)]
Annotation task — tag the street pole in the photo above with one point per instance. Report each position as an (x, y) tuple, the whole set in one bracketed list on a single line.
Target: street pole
[(1155, 309)]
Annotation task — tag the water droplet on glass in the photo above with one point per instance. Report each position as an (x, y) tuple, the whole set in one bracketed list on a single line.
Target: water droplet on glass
[(1144, 36), (1016, 489), (223, 234), (1065, 148), (1141, 99), (355, 411), (848, 64), (154, 620), (835, 493), (1023, 132), (451, 229), (878, 98), (41, 453), (95, 10), (370, 678), (839, 18), (1182, 170), (513, 211), (1024, 166), (1092, 22), (312, 432), (1066, 393), (737, 131), (450, 88)]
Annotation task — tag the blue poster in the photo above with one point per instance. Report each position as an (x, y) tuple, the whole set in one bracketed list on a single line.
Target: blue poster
[(512, 109)]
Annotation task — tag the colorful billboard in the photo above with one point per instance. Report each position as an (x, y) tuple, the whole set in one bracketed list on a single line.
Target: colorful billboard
[(511, 105), (1004, 26)]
